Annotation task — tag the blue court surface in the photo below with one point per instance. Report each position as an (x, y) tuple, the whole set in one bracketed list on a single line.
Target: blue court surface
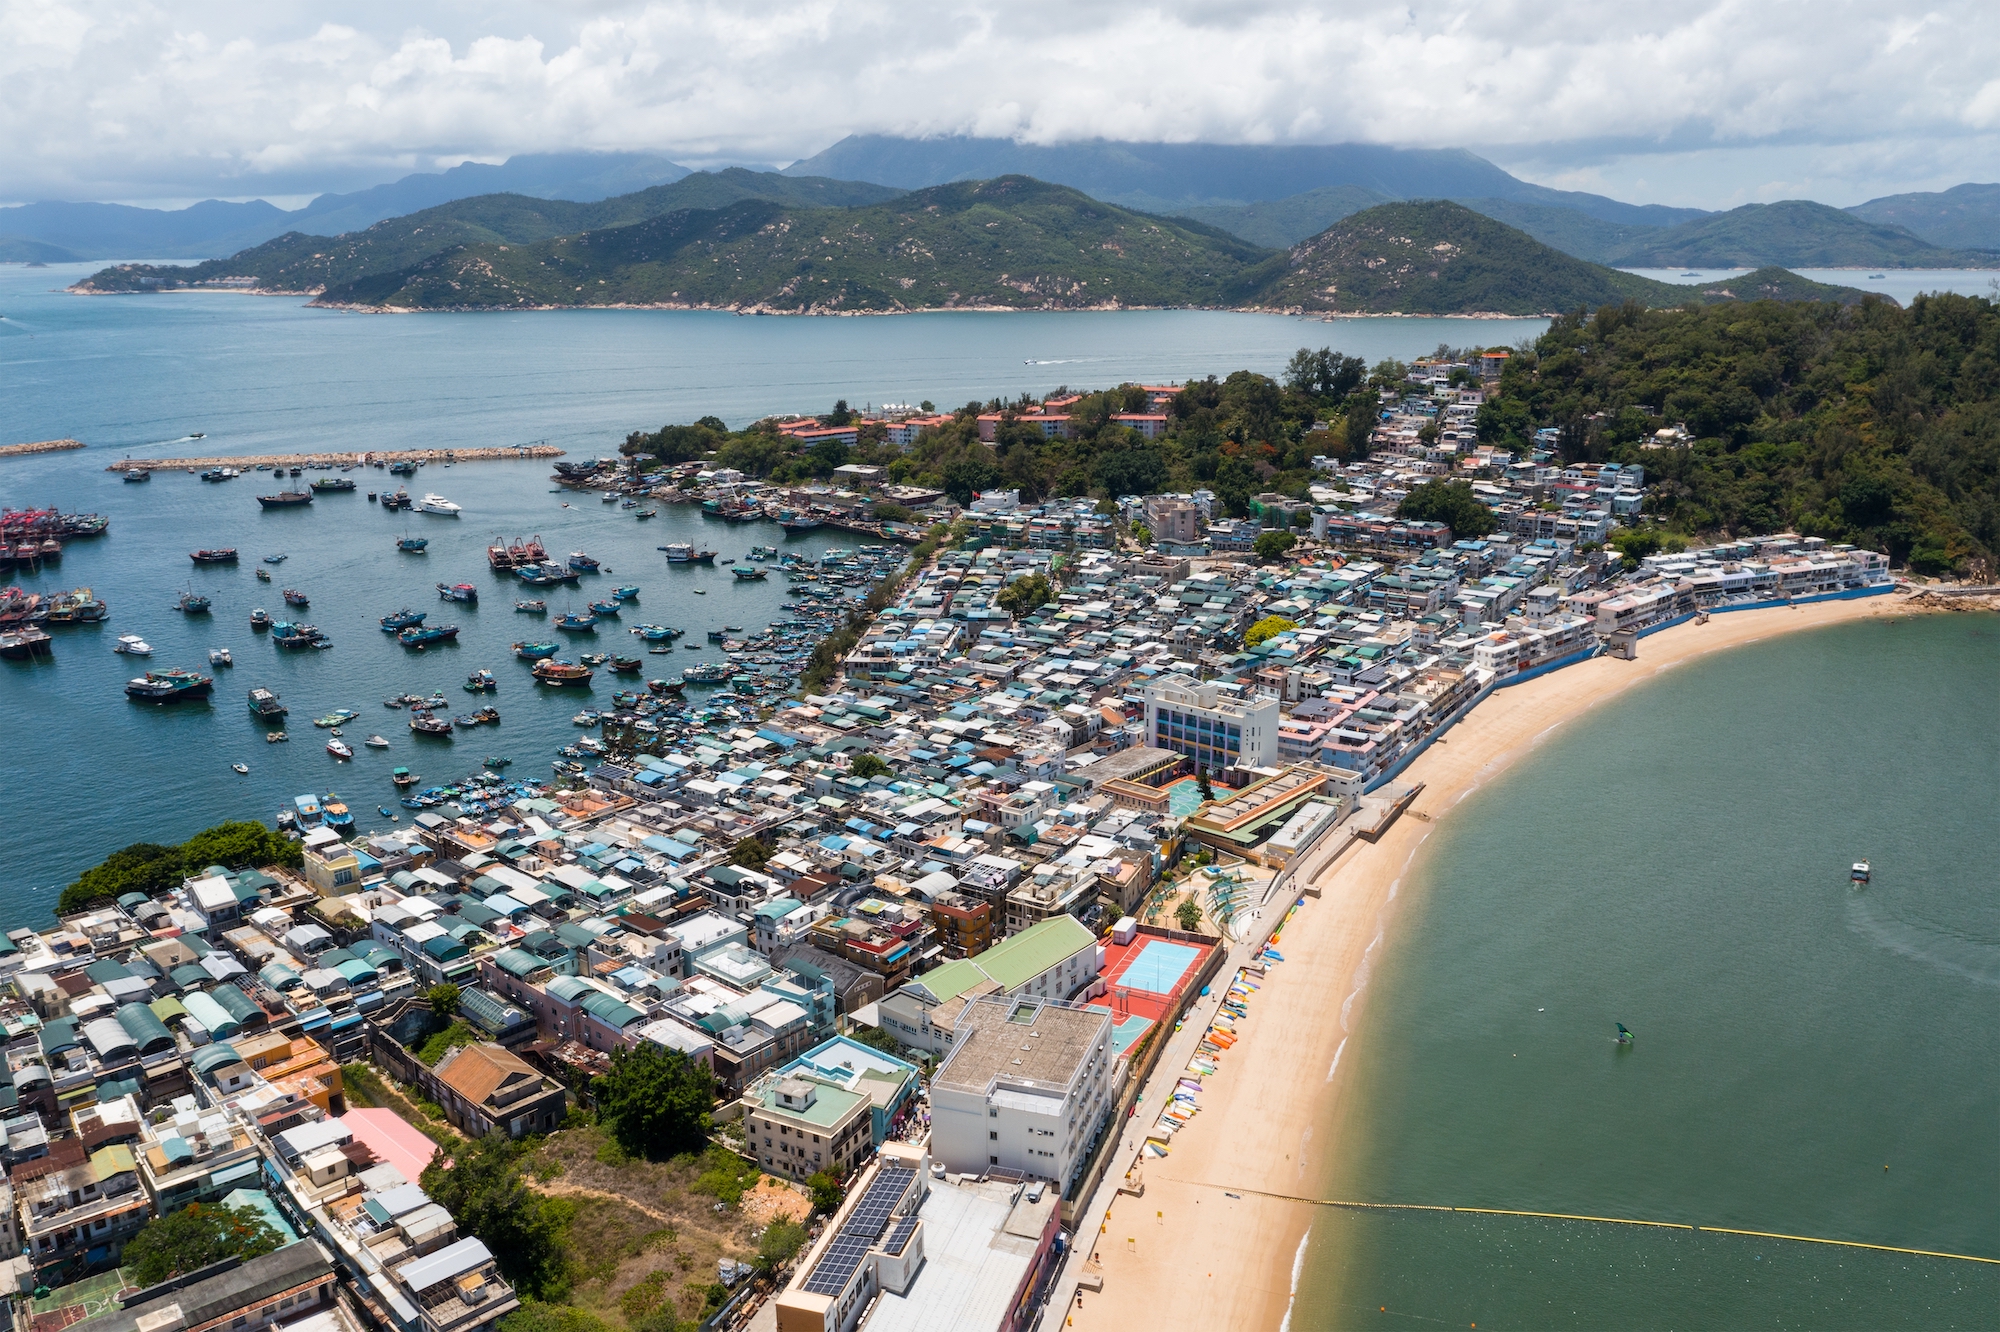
[(1159, 967)]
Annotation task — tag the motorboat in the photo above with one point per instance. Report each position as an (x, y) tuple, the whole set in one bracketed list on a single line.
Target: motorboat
[(423, 635), (294, 597), (582, 563), (260, 618), (534, 607), (132, 646), (435, 503), (220, 657), (222, 555), (577, 624), (376, 742), (536, 651), (264, 704), (240, 767), (412, 545), (339, 749), (1860, 873), (263, 575), (279, 558), (168, 686)]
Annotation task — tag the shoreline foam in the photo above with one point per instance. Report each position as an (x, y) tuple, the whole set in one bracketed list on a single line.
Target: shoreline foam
[(1272, 1115)]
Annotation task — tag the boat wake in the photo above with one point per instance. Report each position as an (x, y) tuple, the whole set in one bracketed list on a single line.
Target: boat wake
[(1947, 948)]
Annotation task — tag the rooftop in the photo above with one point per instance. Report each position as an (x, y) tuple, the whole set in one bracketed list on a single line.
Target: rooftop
[(1037, 1043)]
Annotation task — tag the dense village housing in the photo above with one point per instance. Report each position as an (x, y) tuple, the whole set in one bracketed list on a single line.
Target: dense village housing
[(941, 978)]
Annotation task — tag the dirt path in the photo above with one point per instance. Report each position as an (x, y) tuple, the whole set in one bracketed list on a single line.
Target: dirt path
[(556, 1188)]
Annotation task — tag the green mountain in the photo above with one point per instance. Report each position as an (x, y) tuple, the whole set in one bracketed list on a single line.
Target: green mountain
[(1012, 242), (1566, 229), (1794, 234), (296, 262), (1964, 217), (1777, 284), (1280, 224), (20, 250), (1438, 257)]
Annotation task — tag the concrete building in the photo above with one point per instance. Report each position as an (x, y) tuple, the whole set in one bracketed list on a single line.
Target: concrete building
[(285, 1286), (1214, 725), (1056, 959), (484, 1087), (1026, 1088)]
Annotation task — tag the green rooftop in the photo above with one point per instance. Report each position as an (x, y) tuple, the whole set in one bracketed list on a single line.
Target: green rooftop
[(1012, 962)]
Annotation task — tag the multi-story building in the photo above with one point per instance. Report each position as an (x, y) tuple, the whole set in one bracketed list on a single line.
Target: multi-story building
[(1027, 1087), (1214, 725), (486, 1087)]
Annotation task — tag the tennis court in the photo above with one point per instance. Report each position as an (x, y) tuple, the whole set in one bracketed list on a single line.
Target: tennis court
[(1159, 966)]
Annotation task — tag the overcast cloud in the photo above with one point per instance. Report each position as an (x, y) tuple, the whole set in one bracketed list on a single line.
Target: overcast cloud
[(1708, 104)]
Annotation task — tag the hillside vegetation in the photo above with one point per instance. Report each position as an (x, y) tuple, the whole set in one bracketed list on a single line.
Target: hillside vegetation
[(297, 262), (1794, 234), (1866, 423), (1965, 217), (1010, 242), (1279, 224)]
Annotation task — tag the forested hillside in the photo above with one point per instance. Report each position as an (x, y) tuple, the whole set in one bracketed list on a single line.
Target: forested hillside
[(1866, 423)]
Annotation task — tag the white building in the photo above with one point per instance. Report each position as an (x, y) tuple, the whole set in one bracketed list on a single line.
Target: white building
[(1026, 1088), (1216, 725)]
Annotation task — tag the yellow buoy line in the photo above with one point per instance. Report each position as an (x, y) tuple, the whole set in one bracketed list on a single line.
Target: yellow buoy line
[(1348, 1205)]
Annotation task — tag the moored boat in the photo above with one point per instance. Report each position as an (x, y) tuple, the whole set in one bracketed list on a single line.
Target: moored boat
[(423, 723), (582, 563), (750, 572), (286, 499), (552, 672), (536, 651), (423, 635), (437, 504), (264, 704), (404, 777), (402, 619), (294, 597), (260, 619), (413, 545), (338, 717), (334, 484), (481, 681), (24, 643), (577, 624), (626, 593), (169, 686), (376, 742), (465, 592), (191, 603), (132, 646), (534, 607), (263, 575), (340, 749), (222, 555), (220, 657)]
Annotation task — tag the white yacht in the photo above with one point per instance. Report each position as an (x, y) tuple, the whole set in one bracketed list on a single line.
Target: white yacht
[(132, 646), (435, 503)]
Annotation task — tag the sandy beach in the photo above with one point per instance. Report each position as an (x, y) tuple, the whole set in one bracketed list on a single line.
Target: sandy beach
[(1276, 1111)]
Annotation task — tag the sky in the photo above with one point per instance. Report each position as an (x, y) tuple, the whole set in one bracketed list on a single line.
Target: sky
[(1695, 104)]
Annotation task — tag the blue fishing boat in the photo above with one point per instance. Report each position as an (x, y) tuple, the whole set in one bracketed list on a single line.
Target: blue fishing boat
[(414, 545), (654, 633), (605, 607), (536, 651), (424, 635), (577, 624), (402, 619), (625, 593), (581, 562)]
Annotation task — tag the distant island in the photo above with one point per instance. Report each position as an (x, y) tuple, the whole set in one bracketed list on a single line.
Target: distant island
[(754, 242)]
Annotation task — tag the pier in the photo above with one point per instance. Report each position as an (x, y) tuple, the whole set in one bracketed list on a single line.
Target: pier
[(365, 458), (42, 446)]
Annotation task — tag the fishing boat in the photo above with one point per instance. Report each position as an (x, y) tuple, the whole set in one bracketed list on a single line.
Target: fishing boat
[(678, 552), (609, 497), (626, 665), (1860, 873), (132, 646), (577, 624), (610, 606), (552, 672), (505, 556), (402, 619), (705, 673), (338, 717), (403, 468), (653, 633), (260, 619), (799, 522), (140, 474), (481, 681), (404, 777), (627, 593), (24, 643), (340, 749), (412, 545), (763, 552), (437, 504), (168, 686), (536, 651), (666, 686), (465, 592), (224, 555), (264, 705), (588, 717), (334, 485), (545, 574), (423, 635), (647, 513), (298, 637), (399, 500), (294, 597), (496, 761), (81, 606), (581, 562), (191, 603), (220, 657), (263, 575), (240, 767), (423, 723), (750, 573), (286, 499)]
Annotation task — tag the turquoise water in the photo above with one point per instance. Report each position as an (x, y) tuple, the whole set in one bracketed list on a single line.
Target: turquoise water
[(88, 772), (1810, 1060)]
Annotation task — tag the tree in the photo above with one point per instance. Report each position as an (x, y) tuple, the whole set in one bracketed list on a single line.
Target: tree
[(1188, 914), (150, 867), (655, 1102), (868, 766), (481, 1186), (1273, 544), (1267, 629), (1025, 596), (195, 1236), (826, 1191), (750, 854), (1201, 784), (780, 1240), (443, 1000), (840, 415), (1142, 534), (1451, 503)]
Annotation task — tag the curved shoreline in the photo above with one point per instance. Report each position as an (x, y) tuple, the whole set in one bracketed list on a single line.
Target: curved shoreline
[(1277, 1110)]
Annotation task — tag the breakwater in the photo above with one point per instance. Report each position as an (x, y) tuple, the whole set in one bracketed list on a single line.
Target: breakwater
[(41, 446), (365, 458)]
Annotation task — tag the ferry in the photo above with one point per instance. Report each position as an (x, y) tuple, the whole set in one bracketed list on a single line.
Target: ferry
[(132, 646), (287, 499), (465, 592), (168, 686), (402, 619), (435, 503), (264, 704), (225, 555), (412, 545), (552, 672)]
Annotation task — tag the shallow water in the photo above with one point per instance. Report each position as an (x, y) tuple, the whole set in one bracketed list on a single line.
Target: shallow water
[(1810, 1060)]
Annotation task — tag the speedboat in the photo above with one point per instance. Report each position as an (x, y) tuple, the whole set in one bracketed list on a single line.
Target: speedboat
[(339, 749), (240, 767), (132, 646), (376, 742)]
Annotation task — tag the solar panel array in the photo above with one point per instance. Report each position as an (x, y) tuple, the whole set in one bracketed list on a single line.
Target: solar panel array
[(905, 1227), (864, 1226)]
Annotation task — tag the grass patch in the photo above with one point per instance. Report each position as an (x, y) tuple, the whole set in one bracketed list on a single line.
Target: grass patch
[(725, 1176)]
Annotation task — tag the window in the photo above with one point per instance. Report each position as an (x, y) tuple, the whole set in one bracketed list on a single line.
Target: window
[(994, 1135)]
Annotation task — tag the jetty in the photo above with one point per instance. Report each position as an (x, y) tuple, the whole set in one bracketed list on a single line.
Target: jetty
[(42, 446), (367, 458)]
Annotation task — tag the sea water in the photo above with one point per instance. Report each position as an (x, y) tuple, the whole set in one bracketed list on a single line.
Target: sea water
[(88, 771), (1810, 1059)]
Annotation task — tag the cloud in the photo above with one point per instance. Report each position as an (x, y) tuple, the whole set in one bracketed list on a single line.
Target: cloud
[(130, 96)]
